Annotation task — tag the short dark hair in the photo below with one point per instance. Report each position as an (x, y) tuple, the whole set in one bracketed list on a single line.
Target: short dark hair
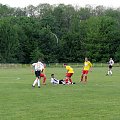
[(39, 60), (65, 63), (52, 74)]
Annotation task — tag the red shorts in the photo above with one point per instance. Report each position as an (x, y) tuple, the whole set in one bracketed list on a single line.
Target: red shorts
[(42, 75), (85, 72), (69, 74)]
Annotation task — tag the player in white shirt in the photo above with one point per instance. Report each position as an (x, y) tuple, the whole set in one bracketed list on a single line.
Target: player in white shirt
[(38, 67), (56, 81), (110, 64)]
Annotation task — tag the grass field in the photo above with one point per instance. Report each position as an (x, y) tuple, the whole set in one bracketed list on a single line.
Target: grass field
[(99, 99)]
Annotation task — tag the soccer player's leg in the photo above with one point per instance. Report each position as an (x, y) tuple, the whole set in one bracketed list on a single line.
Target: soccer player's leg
[(86, 73), (35, 81), (82, 76), (56, 82), (85, 78), (38, 78), (111, 70), (81, 80), (66, 80), (61, 82), (38, 83), (44, 78), (70, 79), (69, 75)]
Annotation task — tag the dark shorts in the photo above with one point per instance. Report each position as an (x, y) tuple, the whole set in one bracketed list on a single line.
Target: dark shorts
[(60, 81), (110, 66), (37, 73)]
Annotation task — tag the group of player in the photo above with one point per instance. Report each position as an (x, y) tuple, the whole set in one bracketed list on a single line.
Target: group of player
[(39, 69)]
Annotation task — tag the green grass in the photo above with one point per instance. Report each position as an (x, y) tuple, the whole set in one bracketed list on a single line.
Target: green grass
[(99, 99)]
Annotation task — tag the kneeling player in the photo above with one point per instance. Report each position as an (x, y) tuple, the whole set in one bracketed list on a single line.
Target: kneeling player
[(69, 74)]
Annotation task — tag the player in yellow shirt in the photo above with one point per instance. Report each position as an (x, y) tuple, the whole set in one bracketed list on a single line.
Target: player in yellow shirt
[(87, 66), (69, 73)]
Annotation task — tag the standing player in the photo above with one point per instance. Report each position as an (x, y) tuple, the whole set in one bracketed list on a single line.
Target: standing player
[(110, 64), (42, 74), (69, 73), (38, 67), (87, 66)]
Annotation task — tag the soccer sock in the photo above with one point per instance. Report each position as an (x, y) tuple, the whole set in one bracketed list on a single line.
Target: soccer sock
[(44, 80), (66, 80), (85, 78), (70, 80), (34, 83), (38, 82), (82, 78), (110, 72)]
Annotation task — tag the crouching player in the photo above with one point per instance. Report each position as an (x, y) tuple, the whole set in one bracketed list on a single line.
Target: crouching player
[(69, 74)]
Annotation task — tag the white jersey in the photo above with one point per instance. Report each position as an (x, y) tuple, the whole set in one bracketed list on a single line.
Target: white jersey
[(111, 62), (54, 81), (38, 66)]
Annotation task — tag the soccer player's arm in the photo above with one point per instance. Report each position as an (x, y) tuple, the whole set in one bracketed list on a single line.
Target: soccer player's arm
[(33, 67), (67, 68), (90, 66), (113, 63), (83, 66), (43, 71)]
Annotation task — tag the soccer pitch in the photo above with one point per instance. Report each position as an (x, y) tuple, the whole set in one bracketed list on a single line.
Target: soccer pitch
[(99, 99)]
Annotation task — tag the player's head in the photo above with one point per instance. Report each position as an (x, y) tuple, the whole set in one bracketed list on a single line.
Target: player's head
[(52, 75), (86, 59), (65, 64), (44, 65), (110, 58), (39, 60)]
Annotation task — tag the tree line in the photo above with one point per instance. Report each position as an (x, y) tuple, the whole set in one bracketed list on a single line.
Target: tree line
[(59, 33)]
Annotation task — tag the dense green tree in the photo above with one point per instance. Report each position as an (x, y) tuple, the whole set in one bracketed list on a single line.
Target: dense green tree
[(8, 42), (117, 54), (59, 33), (6, 11), (102, 38)]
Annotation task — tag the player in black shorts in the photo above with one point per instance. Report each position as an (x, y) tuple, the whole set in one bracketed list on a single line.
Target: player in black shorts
[(37, 68), (110, 65)]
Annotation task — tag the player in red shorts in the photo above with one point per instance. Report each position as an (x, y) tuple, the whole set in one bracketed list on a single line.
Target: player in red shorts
[(69, 73), (42, 74), (86, 67)]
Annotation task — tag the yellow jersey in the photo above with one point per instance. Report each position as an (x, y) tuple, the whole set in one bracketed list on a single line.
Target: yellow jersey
[(87, 65), (69, 69)]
